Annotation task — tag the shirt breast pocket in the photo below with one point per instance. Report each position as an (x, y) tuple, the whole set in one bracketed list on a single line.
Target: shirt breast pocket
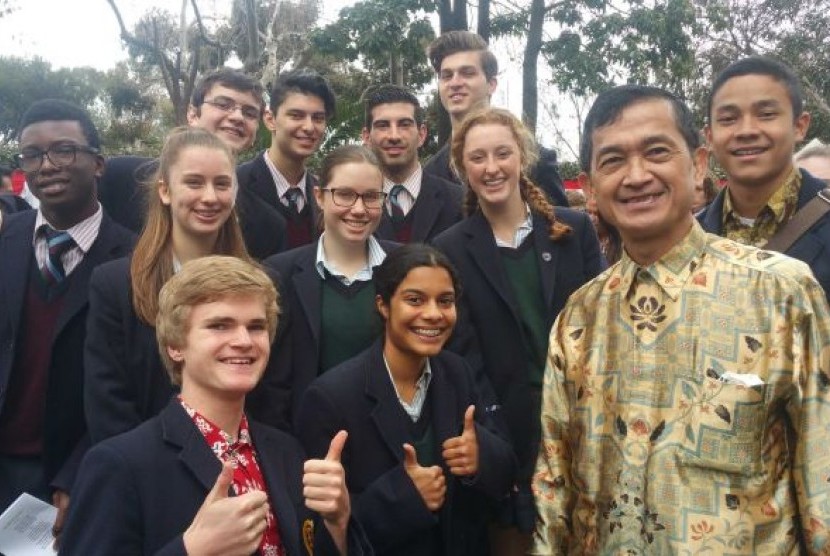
[(725, 428)]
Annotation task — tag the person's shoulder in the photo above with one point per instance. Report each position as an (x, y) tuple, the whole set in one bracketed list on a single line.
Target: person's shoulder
[(285, 261), (753, 259), (449, 239), (248, 166), (115, 269), (132, 445), (572, 217)]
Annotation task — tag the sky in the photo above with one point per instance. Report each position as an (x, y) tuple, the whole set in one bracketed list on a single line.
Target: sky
[(76, 33)]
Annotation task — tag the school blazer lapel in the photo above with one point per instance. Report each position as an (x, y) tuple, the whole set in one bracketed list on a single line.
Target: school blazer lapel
[(380, 390), (424, 217), (273, 466), (308, 284), (179, 431), (547, 257), (481, 245)]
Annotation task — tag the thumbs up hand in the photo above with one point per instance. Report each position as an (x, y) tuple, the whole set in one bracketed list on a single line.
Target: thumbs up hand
[(227, 525), (461, 452), (430, 481), (324, 485)]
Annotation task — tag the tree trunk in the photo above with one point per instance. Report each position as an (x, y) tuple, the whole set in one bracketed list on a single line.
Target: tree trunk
[(484, 19), (530, 86), (251, 62)]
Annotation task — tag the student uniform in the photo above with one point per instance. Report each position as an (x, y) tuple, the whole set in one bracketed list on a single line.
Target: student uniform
[(139, 491), (359, 396), (327, 324), (505, 317)]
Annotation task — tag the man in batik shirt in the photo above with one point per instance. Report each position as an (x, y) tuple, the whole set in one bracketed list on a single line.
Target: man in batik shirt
[(687, 398)]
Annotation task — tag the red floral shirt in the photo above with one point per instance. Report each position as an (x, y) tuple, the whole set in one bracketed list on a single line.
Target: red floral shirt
[(247, 475)]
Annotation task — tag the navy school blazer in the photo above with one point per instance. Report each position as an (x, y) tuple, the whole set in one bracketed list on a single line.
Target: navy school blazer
[(489, 329), (295, 355), (437, 207), (358, 396), (64, 435), (137, 492)]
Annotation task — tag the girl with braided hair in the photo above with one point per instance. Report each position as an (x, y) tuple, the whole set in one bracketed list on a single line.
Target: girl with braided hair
[(519, 258)]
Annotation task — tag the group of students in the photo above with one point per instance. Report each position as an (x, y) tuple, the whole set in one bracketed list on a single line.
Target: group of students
[(414, 375)]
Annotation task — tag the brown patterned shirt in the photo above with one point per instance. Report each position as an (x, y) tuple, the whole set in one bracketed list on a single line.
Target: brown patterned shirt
[(777, 212), (687, 408)]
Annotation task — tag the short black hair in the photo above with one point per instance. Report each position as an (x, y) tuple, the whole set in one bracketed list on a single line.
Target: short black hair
[(760, 65), (386, 94), (230, 78), (52, 109), (393, 270), (305, 81), (453, 42), (610, 104)]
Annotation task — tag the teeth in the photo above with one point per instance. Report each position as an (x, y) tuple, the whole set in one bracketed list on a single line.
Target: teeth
[(748, 151), (239, 361), (428, 332), (643, 198)]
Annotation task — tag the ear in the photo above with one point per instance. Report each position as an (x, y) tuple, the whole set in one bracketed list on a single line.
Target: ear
[(383, 309), (193, 114), (364, 134), (318, 196), (268, 120), (700, 159), (175, 354), (422, 135), (585, 184), (491, 85), (100, 165), (707, 134), (164, 193), (802, 124)]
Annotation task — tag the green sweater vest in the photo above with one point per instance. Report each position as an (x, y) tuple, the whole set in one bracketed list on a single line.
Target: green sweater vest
[(522, 270), (349, 322)]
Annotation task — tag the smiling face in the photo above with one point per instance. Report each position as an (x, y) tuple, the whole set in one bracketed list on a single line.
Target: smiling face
[(420, 315), (225, 349), (233, 127), (200, 191), (297, 127), (395, 137), (643, 177), (67, 193), (462, 84), (492, 164), (356, 223), (753, 131)]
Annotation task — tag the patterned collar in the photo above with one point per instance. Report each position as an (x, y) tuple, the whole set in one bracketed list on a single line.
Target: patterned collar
[(779, 208), (220, 441), (670, 272)]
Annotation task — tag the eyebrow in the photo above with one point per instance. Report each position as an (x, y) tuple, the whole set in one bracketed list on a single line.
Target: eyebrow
[(646, 142)]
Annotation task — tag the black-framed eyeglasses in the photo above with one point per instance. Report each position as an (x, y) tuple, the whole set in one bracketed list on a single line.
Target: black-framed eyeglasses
[(345, 197), (225, 104), (31, 160)]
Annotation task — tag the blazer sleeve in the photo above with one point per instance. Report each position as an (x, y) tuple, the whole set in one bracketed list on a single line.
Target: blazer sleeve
[(105, 510), (109, 399), (390, 508)]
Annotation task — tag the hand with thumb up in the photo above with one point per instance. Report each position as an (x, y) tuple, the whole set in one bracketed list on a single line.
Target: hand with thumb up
[(324, 485), (461, 452), (227, 525), (430, 481)]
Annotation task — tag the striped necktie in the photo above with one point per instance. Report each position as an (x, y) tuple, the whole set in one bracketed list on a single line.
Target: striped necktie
[(395, 210), (58, 243)]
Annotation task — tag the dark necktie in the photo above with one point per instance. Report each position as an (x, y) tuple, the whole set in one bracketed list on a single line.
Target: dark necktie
[(293, 195), (58, 244), (395, 210)]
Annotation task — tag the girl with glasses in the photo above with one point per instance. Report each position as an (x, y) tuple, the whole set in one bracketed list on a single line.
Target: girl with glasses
[(519, 259), (327, 288), (190, 214)]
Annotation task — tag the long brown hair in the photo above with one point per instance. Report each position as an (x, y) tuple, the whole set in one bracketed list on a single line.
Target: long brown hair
[(152, 263), (530, 192)]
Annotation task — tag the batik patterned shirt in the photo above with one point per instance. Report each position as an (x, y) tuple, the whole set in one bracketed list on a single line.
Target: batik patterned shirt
[(777, 212), (687, 408)]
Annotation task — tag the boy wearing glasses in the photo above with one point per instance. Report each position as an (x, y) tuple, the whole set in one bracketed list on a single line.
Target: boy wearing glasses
[(48, 256), (419, 206), (301, 103)]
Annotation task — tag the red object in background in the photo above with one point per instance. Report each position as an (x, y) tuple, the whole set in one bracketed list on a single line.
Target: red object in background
[(18, 180), (572, 184)]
